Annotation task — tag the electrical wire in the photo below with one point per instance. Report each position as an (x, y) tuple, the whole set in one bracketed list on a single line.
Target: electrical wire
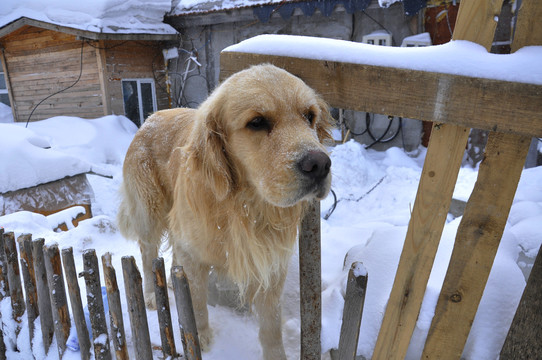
[(382, 138), (60, 91)]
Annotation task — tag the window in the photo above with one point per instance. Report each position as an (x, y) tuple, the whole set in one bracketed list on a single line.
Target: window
[(4, 98), (139, 99)]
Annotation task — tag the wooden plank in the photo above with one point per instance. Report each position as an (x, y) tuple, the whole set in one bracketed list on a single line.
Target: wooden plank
[(91, 274), (44, 300), (442, 98), (57, 292), (162, 307), (136, 309), (354, 299), (115, 309), (185, 312), (480, 231), (431, 205), (76, 303), (102, 76), (310, 283), (14, 276), (29, 278), (4, 282), (523, 340)]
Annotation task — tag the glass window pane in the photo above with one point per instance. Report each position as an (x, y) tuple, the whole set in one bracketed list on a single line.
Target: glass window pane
[(146, 99), (2, 81), (4, 98), (131, 102)]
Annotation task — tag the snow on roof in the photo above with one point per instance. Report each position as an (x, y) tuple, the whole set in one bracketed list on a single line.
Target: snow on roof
[(59, 147), (456, 57), (99, 16)]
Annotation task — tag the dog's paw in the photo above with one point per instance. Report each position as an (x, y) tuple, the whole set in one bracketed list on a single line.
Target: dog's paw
[(150, 301), (205, 338)]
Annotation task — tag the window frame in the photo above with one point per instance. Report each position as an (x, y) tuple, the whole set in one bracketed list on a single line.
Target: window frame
[(140, 81)]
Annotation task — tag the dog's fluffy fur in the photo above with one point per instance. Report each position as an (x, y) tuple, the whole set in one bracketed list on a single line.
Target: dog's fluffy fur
[(228, 183)]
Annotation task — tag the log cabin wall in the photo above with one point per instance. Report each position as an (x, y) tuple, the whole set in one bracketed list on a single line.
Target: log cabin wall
[(41, 62)]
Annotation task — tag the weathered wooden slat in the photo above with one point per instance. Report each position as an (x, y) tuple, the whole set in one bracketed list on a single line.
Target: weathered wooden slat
[(185, 311), (14, 276), (136, 308), (523, 340), (115, 309), (29, 278), (76, 303), (44, 300), (162, 306), (4, 282), (310, 283), (95, 304), (354, 299), (57, 292)]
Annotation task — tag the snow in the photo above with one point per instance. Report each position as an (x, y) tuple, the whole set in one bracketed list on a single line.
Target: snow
[(375, 192), (455, 57), (100, 16)]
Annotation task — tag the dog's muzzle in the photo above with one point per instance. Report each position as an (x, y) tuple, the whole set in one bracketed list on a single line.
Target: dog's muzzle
[(314, 168)]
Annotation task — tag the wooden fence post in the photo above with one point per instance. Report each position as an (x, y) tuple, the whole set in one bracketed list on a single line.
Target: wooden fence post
[(76, 303), (95, 304), (115, 309), (185, 311), (59, 302), (14, 276), (523, 339), (29, 278), (44, 300), (310, 284), (4, 283), (162, 306), (356, 288), (136, 308)]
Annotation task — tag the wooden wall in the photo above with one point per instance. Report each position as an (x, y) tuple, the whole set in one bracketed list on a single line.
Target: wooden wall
[(39, 63)]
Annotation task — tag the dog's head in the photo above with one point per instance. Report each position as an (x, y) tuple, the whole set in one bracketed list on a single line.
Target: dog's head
[(264, 128)]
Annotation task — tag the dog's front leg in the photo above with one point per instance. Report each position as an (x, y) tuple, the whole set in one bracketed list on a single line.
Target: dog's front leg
[(269, 311), (198, 278)]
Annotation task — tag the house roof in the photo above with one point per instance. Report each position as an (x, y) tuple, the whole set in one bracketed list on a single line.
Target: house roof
[(97, 20)]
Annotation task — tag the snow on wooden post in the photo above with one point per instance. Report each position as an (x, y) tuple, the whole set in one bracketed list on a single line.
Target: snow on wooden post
[(14, 276), (310, 283), (356, 287), (185, 311), (115, 309), (76, 303), (44, 300), (4, 283), (29, 278), (57, 292), (162, 306), (136, 308), (91, 274)]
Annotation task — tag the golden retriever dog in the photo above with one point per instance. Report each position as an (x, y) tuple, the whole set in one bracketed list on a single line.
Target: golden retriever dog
[(228, 183)]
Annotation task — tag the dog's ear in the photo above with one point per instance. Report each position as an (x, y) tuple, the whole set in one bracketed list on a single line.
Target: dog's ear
[(209, 152), (324, 124)]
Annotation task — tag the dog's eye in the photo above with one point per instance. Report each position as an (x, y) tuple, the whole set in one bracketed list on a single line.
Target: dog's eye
[(309, 116), (258, 123)]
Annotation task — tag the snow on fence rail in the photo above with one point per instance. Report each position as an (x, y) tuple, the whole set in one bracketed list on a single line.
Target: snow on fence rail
[(44, 275)]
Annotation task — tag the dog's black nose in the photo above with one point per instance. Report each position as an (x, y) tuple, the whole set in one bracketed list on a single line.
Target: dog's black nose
[(315, 165)]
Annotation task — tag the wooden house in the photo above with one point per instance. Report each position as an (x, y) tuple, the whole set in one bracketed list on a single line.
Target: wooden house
[(50, 69)]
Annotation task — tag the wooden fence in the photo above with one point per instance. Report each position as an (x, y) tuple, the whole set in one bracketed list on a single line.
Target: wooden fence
[(512, 113), (45, 271)]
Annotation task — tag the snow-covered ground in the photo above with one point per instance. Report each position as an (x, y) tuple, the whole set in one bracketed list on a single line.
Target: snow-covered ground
[(376, 191)]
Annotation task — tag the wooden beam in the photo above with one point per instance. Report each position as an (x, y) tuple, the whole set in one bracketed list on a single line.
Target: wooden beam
[(460, 100)]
